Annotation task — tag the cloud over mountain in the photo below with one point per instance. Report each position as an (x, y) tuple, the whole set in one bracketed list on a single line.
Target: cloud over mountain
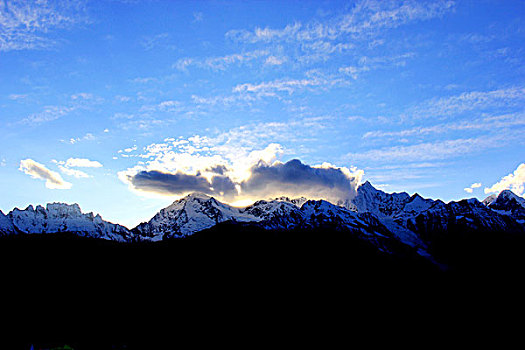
[(180, 183), (514, 181), (294, 178), (266, 180)]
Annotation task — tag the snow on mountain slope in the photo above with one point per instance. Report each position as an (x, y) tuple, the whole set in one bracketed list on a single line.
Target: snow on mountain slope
[(197, 212), (372, 213), (60, 217), (318, 213), (369, 199), (416, 204), (507, 203), (275, 214), (490, 199), (392, 209), (188, 215), (467, 213), (296, 201)]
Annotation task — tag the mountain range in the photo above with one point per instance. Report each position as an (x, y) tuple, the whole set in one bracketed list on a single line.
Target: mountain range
[(393, 223)]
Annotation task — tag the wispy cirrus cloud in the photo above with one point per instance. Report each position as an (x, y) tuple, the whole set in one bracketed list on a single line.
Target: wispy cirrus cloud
[(76, 102), (221, 62), (366, 64), (444, 107), (162, 40), (25, 25), (365, 19), (437, 150), (313, 79), (49, 113), (489, 123)]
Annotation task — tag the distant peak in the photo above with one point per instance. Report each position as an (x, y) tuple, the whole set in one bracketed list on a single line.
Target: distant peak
[(61, 205), (490, 199), (366, 185), (416, 195)]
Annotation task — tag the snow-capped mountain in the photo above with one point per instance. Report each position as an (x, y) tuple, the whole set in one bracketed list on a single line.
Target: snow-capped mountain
[(60, 217), (467, 214), (371, 200), (197, 212), (188, 215), (387, 220), (507, 203), (413, 218)]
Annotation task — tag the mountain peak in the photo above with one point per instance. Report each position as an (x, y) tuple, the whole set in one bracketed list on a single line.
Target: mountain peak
[(62, 217), (197, 195), (296, 201), (503, 196), (508, 194), (367, 184), (490, 199)]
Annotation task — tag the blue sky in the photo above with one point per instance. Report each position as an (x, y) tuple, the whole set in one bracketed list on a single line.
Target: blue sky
[(124, 106)]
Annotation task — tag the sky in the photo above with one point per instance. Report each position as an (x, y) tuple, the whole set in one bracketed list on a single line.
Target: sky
[(125, 106)]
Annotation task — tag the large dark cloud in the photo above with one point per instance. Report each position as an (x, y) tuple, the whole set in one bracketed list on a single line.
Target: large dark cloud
[(294, 178), (291, 179), (179, 183)]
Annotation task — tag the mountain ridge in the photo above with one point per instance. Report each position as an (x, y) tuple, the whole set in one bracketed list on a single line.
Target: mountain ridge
[(386, 220)]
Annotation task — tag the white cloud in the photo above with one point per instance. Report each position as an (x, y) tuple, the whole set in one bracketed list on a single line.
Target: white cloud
[(73, 172), (151, 42), (360, 28), (275, 61), (224, 166), (472, 187), (82, 163), (366, 64), (469, 101), (82, 96), (39, 171), (16, 97), (49, 113), (313, 80), (66, 166), (86, 137), (261, 180), (514, 182), (485, 123), (220, 62), (366, 19), (26, 24), (432, 150)]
